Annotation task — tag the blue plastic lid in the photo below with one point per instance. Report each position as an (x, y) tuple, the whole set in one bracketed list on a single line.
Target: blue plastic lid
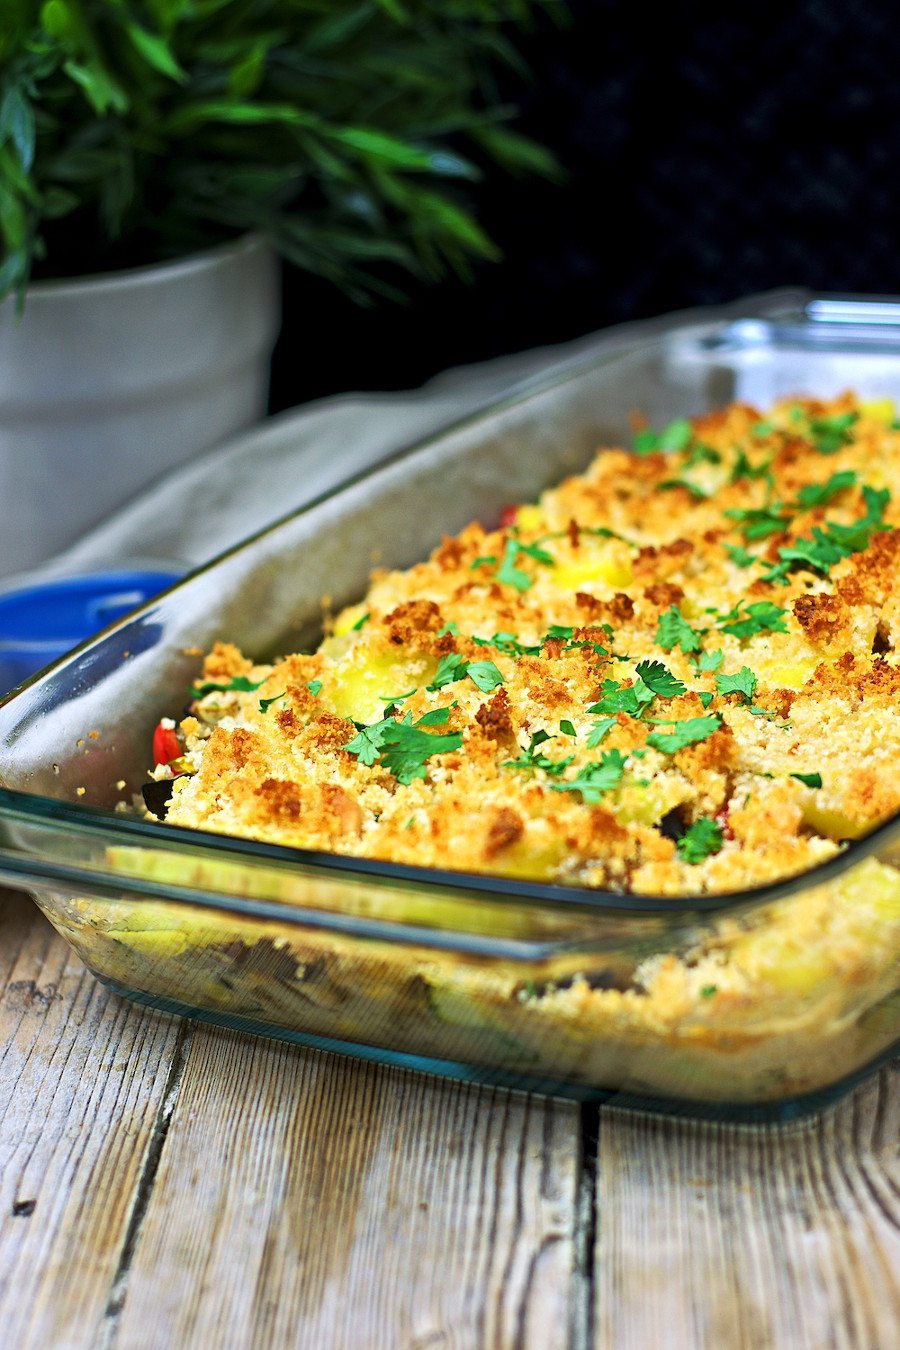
[(38, 624)]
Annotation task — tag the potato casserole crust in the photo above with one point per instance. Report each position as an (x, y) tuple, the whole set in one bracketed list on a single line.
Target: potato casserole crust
[(675, 673)]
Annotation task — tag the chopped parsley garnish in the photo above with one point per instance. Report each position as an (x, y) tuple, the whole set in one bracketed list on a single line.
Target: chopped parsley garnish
[(705, 697), (451, 668), (676, 436), (484, 558), (266, 703), (709, 990), (315, 687), (683, 734), (510, 574), (810, 780), (761, 617), (831, 434), (559, 630), (701, 841), (363, 619), (485, 674), (509, 644), (594, 779), (615, 698), (817, 494), (758, 522), (403, 748), (598, 731), (567, 728), (449, 628), (743, 683), (697, 492), (743, 468), (833, 542), (702, 454), (533, 759), (675, 631), (710, 661), (658, 678), (740, 556), (240, 684)]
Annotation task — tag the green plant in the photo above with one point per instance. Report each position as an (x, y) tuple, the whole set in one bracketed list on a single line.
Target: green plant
[(349, 131)]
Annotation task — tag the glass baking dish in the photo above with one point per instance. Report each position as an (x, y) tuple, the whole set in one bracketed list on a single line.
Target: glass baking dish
[(546, 987)]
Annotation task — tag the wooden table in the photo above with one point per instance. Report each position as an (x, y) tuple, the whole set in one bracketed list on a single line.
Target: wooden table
[(164, 1184)]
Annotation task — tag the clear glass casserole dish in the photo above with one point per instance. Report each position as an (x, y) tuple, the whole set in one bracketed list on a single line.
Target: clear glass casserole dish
[(547, 987)]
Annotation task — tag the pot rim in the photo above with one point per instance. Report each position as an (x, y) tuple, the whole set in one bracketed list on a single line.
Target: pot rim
[(147, 274)]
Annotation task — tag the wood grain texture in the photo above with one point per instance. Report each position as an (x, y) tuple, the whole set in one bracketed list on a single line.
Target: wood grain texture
[(716, 1237), (83, 1084), (307, 1200)]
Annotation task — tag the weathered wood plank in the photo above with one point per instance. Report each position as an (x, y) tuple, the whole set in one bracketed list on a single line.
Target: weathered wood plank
[(723, 1237), (84, 1078), (308, 1200)]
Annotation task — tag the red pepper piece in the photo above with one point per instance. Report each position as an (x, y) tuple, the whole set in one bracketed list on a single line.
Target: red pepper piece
[(165, 745), (722, 819), (508, 517)]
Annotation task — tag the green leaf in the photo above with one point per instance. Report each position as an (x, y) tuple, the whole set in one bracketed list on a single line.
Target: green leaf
[(156, 52), (379, 145), (403, 748), (675, 631), (658, 678), (817, 494), (684, 734), (533, 758), (360, 622), (740, 556), (758, 522), (315, 687), (710, 661), (17, 124), (451, 668), (266, 703), (508, 573), (485, 675), (831, 434), (592, 781), (698, 493), (744, 682), (704, 838), (676, 436), (810, 780), (599, 730), (240, 684), (762, 617), (567, 728), (629, 699)]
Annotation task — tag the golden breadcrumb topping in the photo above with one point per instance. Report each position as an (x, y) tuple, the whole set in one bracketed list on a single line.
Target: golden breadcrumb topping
[(675, 673)]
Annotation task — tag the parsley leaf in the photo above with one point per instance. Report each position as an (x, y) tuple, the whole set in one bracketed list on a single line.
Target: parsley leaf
[(363, 619), (403, 747), (485, 674), (483, 558), (531, 759), (676, 436), (705, 697), (451, 668), (658, 678), (810, 780), (314, 687), (743, 683), (817, 494), (710, 661), (240, 684), (740, 556), (509, 644), (743, 468), (684, 734), (615, 698), (697, 492), (675, 631), (508, 573), (704, 838), (599, 730), (762, 617), (831, 434), (594, 779), (266, 703), (567, 728), (758, 522)]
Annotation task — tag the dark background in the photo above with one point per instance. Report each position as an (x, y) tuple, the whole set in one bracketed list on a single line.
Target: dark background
[(708, 156)]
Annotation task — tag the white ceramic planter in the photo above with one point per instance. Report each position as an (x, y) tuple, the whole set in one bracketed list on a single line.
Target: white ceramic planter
[(108, 382)]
